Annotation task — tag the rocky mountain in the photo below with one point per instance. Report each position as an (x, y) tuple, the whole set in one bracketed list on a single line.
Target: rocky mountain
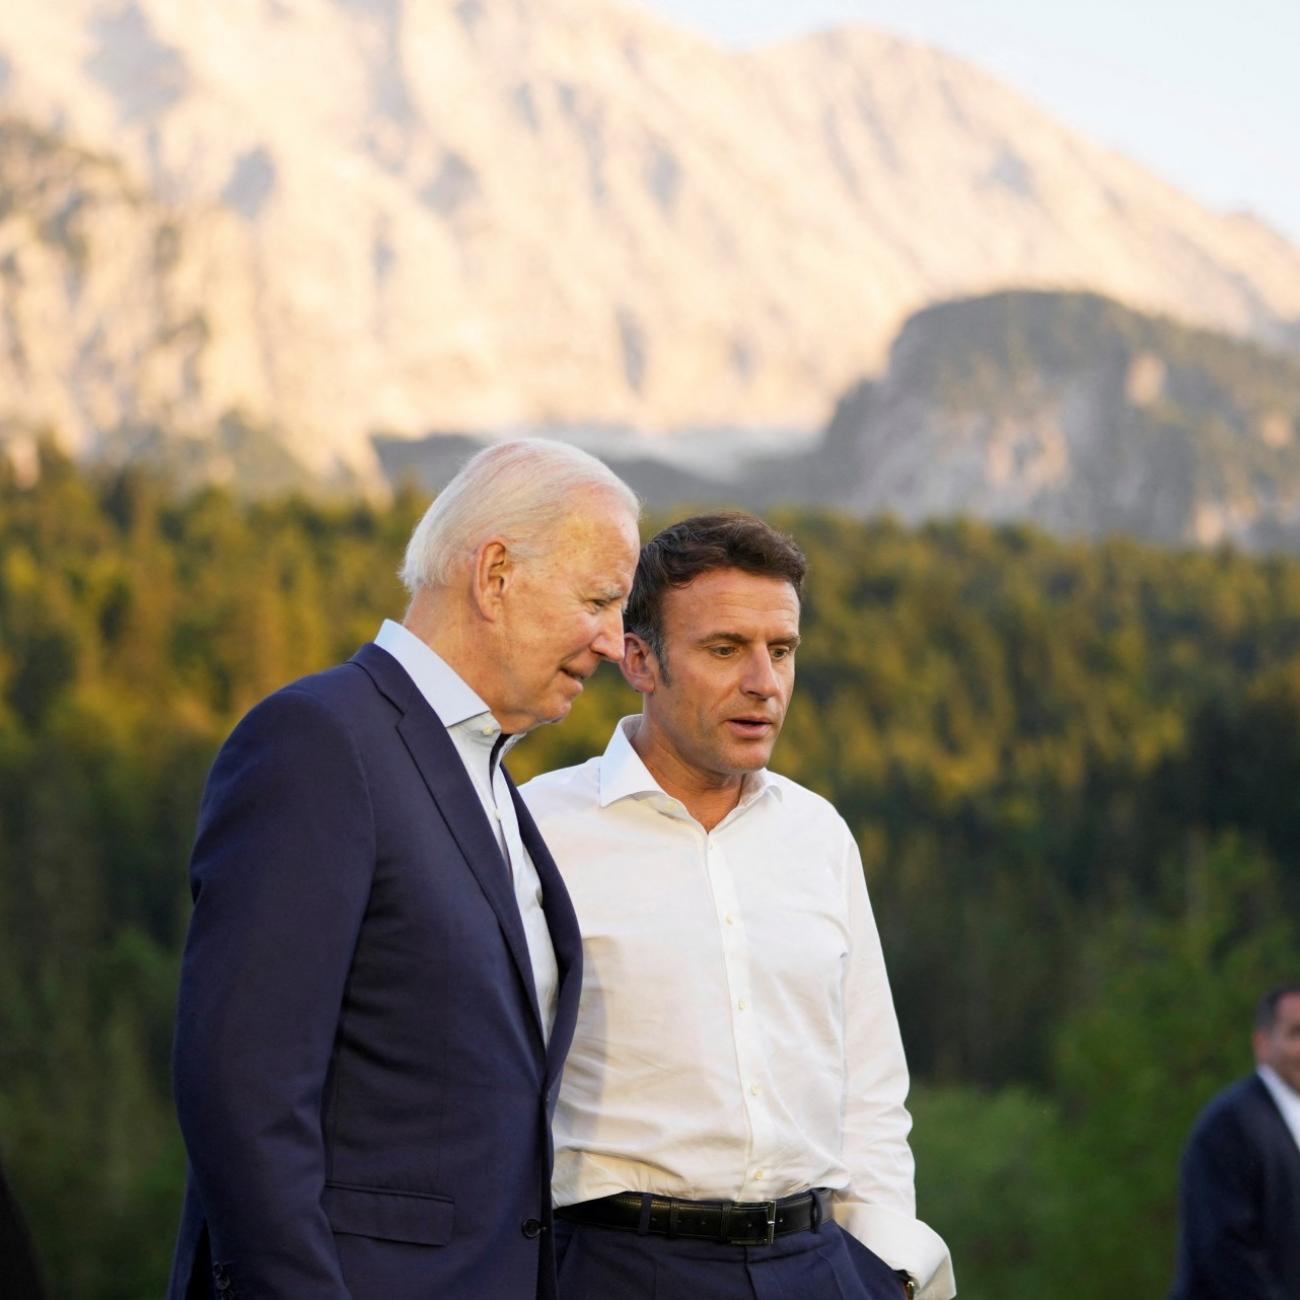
[(1073, 412), (124, 322), (1069, 411), (396, 216)]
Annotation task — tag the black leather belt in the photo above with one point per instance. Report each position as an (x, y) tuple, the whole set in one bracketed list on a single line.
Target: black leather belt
[(736, 1223)]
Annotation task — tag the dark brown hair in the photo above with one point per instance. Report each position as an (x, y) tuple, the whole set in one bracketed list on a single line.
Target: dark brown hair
[(683, 551), (1266, 1010)]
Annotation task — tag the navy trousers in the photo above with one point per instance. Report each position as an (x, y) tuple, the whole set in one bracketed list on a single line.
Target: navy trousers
[(824, 1263)]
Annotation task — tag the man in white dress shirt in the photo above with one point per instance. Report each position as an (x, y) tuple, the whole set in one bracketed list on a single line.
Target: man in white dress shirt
[(731, 1122)]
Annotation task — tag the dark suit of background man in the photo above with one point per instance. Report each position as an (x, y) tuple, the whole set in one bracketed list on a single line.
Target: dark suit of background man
[(18, 1274), (1241, 1174), (381, 975)]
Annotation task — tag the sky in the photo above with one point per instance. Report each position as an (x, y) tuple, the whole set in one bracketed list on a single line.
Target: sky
[(1203, 93)]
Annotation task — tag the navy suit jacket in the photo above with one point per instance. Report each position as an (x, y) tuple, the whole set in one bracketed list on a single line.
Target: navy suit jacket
[(1240, 1198), (359, 1065)]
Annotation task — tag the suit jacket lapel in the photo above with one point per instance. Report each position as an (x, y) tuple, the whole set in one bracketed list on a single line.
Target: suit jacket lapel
[(440, 765), (1285, 1143), (566, 938)]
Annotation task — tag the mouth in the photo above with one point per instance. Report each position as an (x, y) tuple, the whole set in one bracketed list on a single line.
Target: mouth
[(752, 728), (575, 676)]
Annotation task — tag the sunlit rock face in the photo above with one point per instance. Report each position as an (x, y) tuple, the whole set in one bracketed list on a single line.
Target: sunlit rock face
[(1077, 414), (402, 215), (123, 319)]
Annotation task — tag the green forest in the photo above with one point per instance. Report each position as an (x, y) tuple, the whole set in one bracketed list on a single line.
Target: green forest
[(1072, 769)]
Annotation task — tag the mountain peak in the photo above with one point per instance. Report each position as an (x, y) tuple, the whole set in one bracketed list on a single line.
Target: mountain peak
[(486, 216)]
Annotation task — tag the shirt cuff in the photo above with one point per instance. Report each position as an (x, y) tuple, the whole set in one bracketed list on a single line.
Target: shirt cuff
[(903, 1243)]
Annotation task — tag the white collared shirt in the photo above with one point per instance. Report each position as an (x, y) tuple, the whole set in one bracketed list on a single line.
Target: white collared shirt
[(1286, 1097), (474, 732), (736, 1037)]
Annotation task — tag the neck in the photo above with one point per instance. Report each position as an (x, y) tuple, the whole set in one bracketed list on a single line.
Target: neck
[(707, 796), (450, 628)]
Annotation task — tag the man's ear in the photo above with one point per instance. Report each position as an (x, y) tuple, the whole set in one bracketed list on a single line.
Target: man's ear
[(492, 573), (1260, 1044), (639, 666)]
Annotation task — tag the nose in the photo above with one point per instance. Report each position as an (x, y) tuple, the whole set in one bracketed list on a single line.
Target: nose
[(760, 675), (608, 641)]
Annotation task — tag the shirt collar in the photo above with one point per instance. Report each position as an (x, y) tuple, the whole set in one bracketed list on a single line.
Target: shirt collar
[(1286, 1096), (623, 775), (447, 693)]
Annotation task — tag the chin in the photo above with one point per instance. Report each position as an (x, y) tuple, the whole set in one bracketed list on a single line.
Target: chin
[(748, 760), (555, 713)]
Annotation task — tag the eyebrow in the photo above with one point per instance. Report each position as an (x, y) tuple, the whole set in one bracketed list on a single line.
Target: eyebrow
[(734, 638)]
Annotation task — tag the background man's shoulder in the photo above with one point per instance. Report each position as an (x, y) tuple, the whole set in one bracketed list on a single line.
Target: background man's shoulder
[(1229, 1111)]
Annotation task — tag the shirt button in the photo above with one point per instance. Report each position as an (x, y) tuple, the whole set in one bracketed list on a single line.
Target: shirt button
[(755, 1090), (730, 920), (759, 1175), (742, 1004)]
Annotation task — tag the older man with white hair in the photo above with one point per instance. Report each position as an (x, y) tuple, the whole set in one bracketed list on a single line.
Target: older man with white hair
[(381, 976)]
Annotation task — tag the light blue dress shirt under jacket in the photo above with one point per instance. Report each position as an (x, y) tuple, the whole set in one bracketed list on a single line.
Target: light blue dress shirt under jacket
[(474, 732)]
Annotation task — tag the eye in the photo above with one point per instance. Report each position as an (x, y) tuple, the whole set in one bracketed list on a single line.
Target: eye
[(780, 652), (722, 651)]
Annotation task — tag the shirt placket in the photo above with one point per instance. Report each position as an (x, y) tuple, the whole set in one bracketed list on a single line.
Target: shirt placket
[(755, 1178)]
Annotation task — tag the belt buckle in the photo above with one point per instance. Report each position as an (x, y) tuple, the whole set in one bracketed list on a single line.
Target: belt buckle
[(768, 1235)]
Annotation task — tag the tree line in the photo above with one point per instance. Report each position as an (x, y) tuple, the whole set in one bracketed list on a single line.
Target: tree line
[(1070, 766)]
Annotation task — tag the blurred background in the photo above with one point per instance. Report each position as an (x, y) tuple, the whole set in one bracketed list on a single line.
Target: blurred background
[(998, 310)]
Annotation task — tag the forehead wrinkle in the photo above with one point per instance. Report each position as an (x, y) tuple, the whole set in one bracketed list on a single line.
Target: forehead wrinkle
[(762, 618)]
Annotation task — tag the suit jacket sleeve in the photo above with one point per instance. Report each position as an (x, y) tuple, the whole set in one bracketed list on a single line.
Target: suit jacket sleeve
[(281, 873), (1221, 1212)]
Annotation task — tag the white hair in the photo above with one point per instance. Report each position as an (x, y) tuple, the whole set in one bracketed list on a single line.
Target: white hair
[(516, 490)]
